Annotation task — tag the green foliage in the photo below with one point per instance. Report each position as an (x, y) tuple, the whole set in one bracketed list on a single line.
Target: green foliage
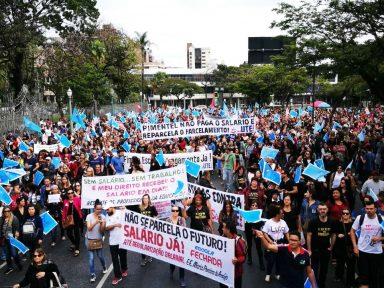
[(344, 37), (179, 88)]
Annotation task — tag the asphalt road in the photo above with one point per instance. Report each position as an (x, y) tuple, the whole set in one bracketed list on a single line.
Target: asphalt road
[(154, 275)]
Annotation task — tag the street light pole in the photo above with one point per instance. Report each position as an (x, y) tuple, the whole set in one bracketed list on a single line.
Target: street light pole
[(69, 94)]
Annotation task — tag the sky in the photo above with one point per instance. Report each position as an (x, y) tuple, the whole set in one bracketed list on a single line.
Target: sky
[(222, 25)]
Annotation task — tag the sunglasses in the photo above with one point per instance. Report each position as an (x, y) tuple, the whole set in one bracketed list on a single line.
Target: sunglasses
[(7, 210), (37, 255), (345, 213), (175, 210)]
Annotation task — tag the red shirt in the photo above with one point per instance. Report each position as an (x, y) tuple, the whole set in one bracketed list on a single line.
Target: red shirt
[(335, 211)]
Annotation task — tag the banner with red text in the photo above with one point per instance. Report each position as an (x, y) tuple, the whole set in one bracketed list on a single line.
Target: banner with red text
[(216, 198), (197, 128), (128, 189), (208, 255)]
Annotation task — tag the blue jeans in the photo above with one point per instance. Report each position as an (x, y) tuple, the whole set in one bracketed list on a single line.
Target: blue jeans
[(228, 179), (11, 252), (91, 257)]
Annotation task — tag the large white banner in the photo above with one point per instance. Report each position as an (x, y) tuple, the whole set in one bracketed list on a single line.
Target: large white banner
[(206, 254), (50, 148), (197, 128), (204, 158), (217, 198), (128, 189)]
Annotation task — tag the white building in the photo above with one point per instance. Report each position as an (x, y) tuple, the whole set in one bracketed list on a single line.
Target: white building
[(198, 58)]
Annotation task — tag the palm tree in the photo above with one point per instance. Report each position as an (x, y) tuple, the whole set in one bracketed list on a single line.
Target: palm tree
[(143, 42)]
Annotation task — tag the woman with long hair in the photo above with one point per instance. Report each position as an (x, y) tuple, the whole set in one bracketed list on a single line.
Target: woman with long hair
[(72, 209), (226, 214), (41, 273), (240, 179), (336, 205), (65, 186), (146, 208), (343, 250), (199, 214), (291, 216), (176, 219), (93, 239)]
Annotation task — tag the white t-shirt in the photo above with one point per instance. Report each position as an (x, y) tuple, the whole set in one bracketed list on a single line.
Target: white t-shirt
[(275, 230), (116, 233), (368, 229), (95, 232)]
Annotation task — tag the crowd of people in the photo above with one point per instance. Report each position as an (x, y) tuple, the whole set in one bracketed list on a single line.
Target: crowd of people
[(315, 221)]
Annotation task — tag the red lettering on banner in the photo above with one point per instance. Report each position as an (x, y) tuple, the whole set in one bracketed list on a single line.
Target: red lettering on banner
[(144, 235), (175, 245), (206, 258)]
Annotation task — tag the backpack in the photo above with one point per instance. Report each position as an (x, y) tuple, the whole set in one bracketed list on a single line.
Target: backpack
[(244, 247), (29, 230), (379, 218)]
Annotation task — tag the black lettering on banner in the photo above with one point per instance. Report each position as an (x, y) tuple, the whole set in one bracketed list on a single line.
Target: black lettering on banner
[(217, 123)]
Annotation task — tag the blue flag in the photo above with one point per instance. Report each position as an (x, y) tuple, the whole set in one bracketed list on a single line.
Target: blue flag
[(4, 196), (261, 165), (180, 186), (297, 174), (48, 222), (64, 141), (289, 137), (249, 216), (39, 176), (4, 179), (9, 163), (267, 152), (126, 147), (193, 169), (314, 172), (298, 124), (260, 139), (1, 154), (30, 125), (276, 118), (122, 119), (225, 108), (160, 158), (271, 175), (56, 162), (336, 125), (293, 113), (373, 195), (113, 123), (77, 118), (326, 137), (349, 165), (272, 136), (361, 136), (195, 113), (126, 135), (23, 147), (18, 245), (317, 127), (320, 163), (14, 174), (300, 112)]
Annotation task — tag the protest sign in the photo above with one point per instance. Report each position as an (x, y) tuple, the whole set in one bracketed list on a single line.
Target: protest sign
[(128, 189), (163, 209), (204, 158), (50, 148), (206, 254), (197, 128), (216, 199), (53, 198), (48, 222)]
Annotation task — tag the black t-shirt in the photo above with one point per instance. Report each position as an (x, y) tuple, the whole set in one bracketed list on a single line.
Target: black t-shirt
[(199, 217), (291, 219), (288, 186), (150, 211), (252, 196), (321, 233)]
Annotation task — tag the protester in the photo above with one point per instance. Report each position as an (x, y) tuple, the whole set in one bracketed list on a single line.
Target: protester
[(177, 220), (93, 239), (254, 226), (118, 255), (199, 214), (32, 229), (295, 259), (41, 273), (72, 219), (227, 213)]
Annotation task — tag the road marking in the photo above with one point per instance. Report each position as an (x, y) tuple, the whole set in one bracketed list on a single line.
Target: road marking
[(102, 281)]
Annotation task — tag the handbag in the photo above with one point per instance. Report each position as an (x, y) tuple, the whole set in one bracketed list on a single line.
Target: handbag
[(95, 244), (57, 280), (69, 222)]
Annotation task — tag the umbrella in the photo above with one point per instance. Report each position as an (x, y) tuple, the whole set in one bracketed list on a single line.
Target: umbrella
[(320, 104)]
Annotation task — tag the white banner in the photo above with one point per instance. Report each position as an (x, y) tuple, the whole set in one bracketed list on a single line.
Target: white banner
[(163, 209), (197, 128), (50, 148), (208, 255), (217, 198), (204, 158), (128, 189)]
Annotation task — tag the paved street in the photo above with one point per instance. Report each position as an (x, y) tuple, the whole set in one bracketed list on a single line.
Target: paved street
[(154, 275)]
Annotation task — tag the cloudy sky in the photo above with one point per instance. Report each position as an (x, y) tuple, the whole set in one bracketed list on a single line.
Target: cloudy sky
[(222, 25)]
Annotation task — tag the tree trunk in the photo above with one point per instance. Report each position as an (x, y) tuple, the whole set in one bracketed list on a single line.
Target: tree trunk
[(17, 76)]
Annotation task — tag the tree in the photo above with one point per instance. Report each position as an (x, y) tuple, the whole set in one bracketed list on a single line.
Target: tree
[(346, 34), (225, 77), (180, 88), (23, 23), (157, 82), (143, 42)]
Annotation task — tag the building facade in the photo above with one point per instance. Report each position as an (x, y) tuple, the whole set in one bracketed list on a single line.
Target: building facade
[(198, 58)]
